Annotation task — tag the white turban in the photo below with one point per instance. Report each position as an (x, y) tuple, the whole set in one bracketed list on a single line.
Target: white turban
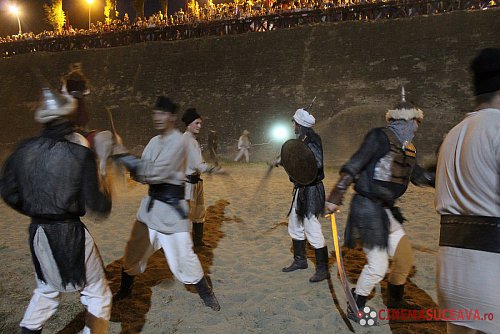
[(304, 118)]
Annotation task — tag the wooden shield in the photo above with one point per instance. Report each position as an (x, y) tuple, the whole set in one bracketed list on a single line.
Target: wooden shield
[(299, 162)]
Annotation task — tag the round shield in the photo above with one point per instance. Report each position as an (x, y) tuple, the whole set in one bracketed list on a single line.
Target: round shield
[(298, 161)]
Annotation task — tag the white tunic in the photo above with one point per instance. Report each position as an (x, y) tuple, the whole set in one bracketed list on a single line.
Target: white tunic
[(467, 183), (467, 178), (194, 163), (244, 142), (163, 161)]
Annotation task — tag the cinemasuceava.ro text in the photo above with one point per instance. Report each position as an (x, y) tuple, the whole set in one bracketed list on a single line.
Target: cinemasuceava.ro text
[(435, 314)]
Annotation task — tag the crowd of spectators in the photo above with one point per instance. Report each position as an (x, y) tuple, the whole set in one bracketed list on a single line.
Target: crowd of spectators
[(225, 18)]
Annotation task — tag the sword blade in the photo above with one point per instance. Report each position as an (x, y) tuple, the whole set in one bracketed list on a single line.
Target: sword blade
[(340, 266)]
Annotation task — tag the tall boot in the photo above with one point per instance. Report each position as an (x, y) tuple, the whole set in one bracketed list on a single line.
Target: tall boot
[(299, 256), (125, 287), (322, 271), (198, 235), (360, 302), (207, 295), (395, 298), (25, 330)]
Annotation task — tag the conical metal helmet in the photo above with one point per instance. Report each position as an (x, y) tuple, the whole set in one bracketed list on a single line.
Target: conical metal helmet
[(52, 101), (54, 105)]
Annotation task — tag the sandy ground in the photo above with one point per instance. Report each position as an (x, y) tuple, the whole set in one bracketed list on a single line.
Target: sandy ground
[(247, 227)]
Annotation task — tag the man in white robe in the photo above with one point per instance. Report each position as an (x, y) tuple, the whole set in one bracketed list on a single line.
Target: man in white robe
[(243, 147), (468, 199)]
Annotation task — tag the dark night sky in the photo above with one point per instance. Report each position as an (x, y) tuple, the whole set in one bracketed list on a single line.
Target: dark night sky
[(32, 15)]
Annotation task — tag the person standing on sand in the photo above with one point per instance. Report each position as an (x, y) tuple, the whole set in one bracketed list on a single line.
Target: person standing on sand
[(194, 167), (162, 220), (383, 167), (243, 147), (308, 204), (468, 200), (54, 180)]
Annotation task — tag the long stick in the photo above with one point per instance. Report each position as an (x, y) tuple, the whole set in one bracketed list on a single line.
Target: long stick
[(312, 103), (118, 139)]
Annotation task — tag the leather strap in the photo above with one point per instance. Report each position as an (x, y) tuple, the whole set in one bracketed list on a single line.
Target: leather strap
[(471, 232)]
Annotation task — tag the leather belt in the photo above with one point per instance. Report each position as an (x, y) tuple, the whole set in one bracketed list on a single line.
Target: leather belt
[(470, 232)]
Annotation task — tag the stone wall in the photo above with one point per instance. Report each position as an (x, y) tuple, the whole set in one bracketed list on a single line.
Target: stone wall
[(252, 81)]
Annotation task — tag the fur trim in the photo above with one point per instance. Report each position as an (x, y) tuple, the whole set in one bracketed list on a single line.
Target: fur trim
[(405, 114)]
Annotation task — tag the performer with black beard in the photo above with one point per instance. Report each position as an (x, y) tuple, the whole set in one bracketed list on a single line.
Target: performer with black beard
[(308, 204), (54, 181), (383, 167)]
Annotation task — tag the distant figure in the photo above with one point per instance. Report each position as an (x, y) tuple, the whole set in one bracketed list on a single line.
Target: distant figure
[(75, 83), (243, 146), (468, 200), (212, 146)]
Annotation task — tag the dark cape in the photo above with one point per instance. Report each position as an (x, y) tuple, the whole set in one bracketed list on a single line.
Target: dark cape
[(53, 181)]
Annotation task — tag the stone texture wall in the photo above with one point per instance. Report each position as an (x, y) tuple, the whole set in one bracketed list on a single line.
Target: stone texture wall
[(252, 81)]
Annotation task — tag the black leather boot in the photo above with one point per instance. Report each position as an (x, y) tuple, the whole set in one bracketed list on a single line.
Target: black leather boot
[(322, 271), (25, 330), (198, 235), (360, 302), (207, 295), (395, 298), (299, 256), (125, 287)]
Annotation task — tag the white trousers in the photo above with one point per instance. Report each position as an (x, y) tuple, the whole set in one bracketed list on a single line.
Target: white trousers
[(95, 295), (468, 279), (243, 152), (378, 259), (177, 247), (306, 228)]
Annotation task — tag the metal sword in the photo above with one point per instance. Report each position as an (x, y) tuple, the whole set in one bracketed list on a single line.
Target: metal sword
[(340, 266)]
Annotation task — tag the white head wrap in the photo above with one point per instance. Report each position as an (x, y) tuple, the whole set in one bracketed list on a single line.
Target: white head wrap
[(304, 118)]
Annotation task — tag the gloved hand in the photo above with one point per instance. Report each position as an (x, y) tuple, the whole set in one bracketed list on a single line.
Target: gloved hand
[(218, 170), (119, 149), (330, 207)]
